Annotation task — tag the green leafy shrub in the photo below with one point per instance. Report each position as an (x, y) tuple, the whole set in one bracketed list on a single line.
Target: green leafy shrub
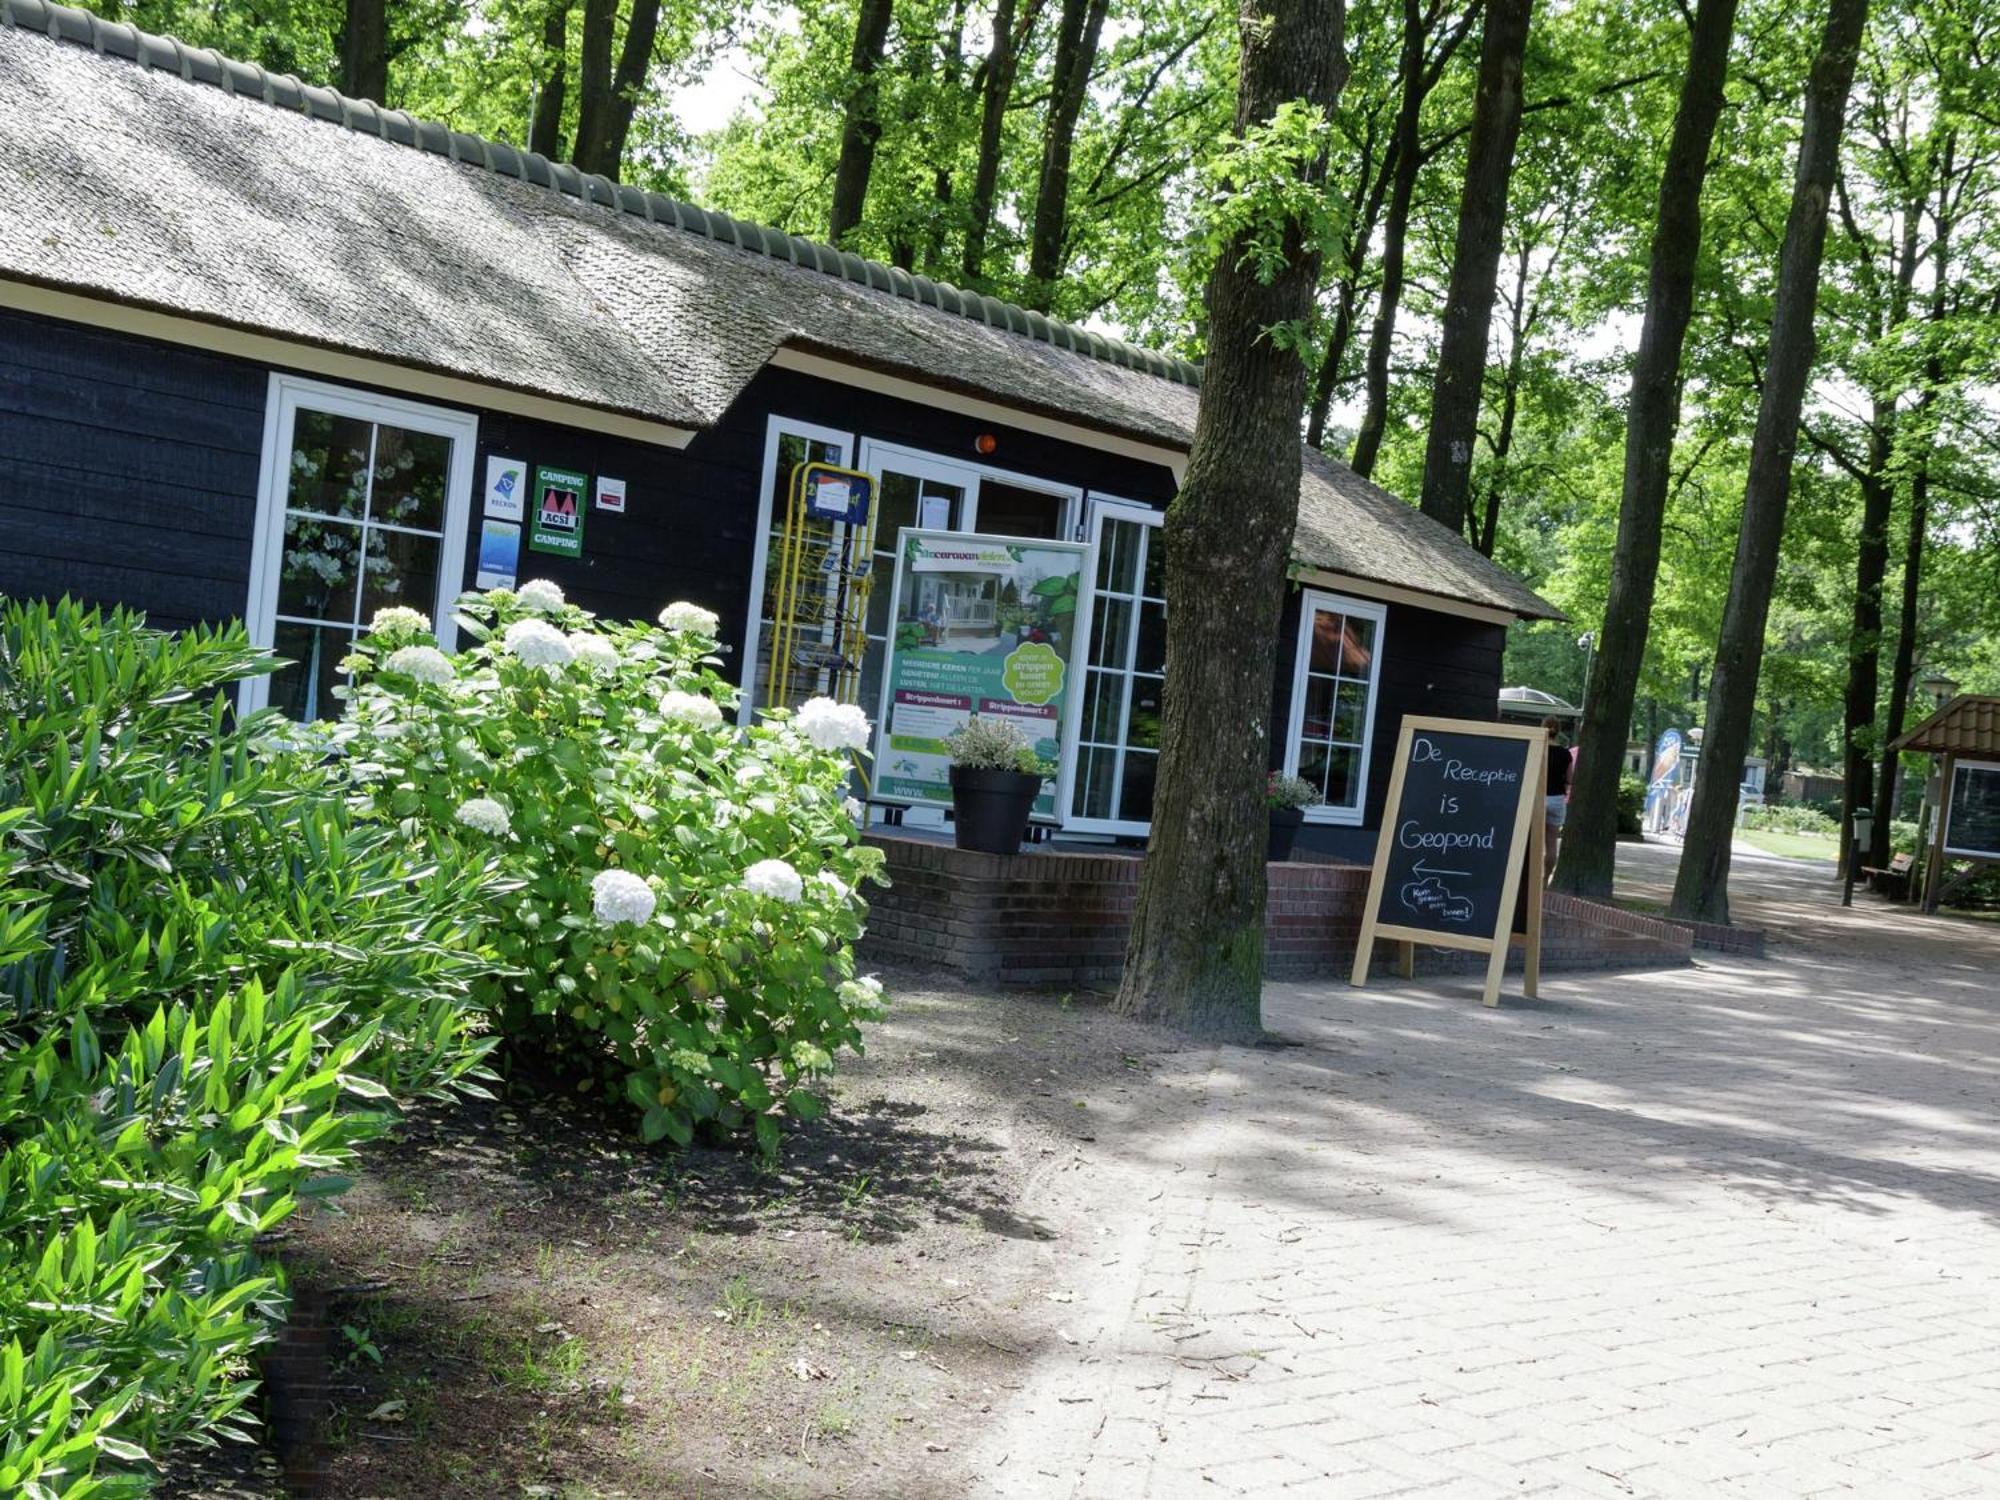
[(1631, 806), (684, 902), (214, 982), (983, 743), (1789, 817)]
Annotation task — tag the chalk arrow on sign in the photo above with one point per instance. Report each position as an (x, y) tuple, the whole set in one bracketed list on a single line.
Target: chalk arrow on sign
[(1423, 869)]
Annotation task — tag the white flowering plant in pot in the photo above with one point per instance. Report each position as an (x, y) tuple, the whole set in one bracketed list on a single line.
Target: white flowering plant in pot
[(685, 893)]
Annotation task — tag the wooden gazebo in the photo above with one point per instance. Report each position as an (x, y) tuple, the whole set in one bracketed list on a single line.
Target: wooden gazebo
[(1965, 736)]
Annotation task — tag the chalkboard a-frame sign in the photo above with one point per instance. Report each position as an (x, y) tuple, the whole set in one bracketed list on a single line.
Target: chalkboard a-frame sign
[(1462, 829)]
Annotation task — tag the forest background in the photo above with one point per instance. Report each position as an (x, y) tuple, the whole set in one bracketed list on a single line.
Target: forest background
[(1051, 152)]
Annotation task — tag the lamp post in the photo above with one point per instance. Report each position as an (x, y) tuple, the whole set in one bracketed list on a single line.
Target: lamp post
[(1587, 644)]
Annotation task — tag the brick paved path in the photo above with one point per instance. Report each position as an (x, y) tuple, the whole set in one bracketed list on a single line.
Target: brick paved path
[(1732, 1230)]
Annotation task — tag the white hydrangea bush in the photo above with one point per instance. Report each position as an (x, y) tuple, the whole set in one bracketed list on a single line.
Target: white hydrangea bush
[(686, 894)]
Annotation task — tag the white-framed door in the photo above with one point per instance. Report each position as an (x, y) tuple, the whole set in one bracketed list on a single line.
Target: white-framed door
[(362, 504), (1115, 709)]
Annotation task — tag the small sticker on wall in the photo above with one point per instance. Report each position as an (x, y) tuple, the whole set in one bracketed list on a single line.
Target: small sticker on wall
[(610, 494), (556, 522), (499, 554), (506, 487)]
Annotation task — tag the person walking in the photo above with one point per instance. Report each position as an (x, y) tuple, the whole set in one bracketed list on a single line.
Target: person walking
[(1555, 805)]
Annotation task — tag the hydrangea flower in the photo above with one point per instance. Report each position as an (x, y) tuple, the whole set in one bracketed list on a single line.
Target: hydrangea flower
[(400, 619), (486, 815), (425, 663), (540, 595), (833, 726), (692, 619), (594, 651), (853, 808), (620, 896), (774, 878), (690, 708), (537, 643), (842, 891)]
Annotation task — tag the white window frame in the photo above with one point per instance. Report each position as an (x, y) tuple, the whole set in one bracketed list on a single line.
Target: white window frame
[(876, 455), (287, 394), (775, 430), (1311, 602), (1102, 508)]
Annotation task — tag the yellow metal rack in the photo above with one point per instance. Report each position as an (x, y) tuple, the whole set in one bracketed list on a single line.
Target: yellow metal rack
[(825, 574)]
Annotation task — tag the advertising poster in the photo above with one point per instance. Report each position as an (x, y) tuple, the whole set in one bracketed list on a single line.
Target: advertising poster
[(506, 488), (499, 554), (555, 524), (610, 494), (979, 625)]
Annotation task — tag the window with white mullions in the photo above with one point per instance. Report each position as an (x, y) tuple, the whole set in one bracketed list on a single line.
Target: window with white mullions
[(362, 506), (1118, 716), (1336, 674)]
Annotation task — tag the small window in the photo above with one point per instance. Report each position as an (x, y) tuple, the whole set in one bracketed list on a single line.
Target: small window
[(1338, 667), (363, 506)]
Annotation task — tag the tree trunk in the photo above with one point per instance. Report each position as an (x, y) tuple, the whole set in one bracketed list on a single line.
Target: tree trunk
[(1002, 63), (1481, 533), (1389, 296), (593, 104), (862, 126), (364, 51), (1365, 212), (1589, 843), (610, 96), (545, 130), (1475, 265), (1701, 886), (1196, 953), (1081, 27)]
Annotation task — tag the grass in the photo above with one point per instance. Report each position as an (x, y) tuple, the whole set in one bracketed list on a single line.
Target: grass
[(1789, 845)]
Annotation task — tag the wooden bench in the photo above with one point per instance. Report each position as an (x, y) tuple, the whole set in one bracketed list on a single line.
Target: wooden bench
[(1894, 881)]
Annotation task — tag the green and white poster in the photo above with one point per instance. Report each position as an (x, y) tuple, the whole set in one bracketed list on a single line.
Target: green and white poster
[(555, 517), (979, 625)]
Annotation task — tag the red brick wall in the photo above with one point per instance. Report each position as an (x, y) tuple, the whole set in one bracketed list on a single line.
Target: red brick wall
[(1059, 920)]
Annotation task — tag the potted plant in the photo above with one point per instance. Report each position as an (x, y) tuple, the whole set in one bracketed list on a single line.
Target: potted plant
[(995, 777), (1287, 797)]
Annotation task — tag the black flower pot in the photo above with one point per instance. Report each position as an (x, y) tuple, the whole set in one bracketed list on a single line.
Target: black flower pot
[(990, 808), (1285, 823)]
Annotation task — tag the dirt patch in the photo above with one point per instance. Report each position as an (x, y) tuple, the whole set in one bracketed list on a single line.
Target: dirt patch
[(525, 1300)]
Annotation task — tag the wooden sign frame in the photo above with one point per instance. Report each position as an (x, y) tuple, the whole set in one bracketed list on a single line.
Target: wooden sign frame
[(1525, 852)]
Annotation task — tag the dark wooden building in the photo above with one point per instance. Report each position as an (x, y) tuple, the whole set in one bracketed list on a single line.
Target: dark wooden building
[(266, 352)]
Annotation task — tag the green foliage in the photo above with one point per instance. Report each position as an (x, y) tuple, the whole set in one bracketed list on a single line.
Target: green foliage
[(988, 744), (1282, 791), (1789, 817), (1631, 805), (215, 982), (683, 903)]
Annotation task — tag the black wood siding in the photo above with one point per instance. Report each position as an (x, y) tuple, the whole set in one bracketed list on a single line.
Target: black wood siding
[(690, 521), (1435, 664), (128, 471)]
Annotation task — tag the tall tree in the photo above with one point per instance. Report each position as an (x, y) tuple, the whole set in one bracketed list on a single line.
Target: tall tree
[(1078, 32), (364, 51), (1196, 954), (996, 84), (610, 93), (861, 125), (1419, 71), (546, 125), (1651, 421), (1475, 265), (1701, 885)]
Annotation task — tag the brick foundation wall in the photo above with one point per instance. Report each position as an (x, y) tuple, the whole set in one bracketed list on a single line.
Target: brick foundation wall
[(1059, 920)]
